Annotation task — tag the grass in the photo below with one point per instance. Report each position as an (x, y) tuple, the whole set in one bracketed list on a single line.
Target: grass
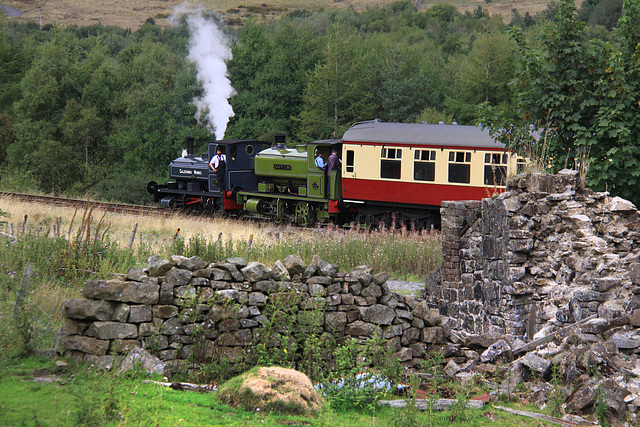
[(403, 255), (82, 396), (132, 14)]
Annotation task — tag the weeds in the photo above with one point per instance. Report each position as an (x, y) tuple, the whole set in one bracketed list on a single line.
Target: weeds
[(459, 408), (556, 399), (409, 417), (601, 409), (361, 373)]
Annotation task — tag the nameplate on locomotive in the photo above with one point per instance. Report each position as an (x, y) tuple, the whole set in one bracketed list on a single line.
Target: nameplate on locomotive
[(277, 166), (187, 172)]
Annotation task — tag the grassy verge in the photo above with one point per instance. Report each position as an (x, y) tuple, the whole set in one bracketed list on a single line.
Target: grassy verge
[(34, 394)]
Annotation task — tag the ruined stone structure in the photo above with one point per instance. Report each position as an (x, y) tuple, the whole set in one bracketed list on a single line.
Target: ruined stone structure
[(542, 255), (177, 307)]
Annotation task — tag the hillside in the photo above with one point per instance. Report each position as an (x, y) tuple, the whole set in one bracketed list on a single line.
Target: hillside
[(133, 13)]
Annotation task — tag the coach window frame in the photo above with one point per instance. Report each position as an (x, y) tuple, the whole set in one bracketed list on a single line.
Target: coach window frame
[(459, 167), (424, 165), (391, 163), (495, 169), (349, 161)]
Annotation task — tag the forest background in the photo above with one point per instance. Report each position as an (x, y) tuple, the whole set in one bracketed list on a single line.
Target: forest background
[(101, 110)]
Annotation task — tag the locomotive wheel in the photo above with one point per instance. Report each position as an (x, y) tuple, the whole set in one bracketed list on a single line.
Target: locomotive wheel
[(304, 215)]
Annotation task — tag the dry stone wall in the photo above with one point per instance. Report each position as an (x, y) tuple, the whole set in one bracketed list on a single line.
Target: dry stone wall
[(173, 308), (540, 256)]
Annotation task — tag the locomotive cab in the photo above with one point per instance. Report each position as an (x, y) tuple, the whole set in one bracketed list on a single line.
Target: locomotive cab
[(194, 185), (240, 164)]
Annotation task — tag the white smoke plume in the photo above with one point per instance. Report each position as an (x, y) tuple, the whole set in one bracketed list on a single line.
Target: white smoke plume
[(208, 50)]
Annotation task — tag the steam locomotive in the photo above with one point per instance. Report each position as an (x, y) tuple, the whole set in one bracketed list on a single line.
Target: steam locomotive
[(391, 173)]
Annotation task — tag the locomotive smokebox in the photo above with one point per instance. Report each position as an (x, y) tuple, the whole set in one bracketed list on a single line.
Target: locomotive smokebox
[(190, 140)]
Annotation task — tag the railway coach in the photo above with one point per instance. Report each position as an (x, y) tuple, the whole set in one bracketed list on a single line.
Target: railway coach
[(400, 172)]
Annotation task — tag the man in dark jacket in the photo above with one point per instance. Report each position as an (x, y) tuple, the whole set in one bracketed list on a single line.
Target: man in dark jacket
[(333, 164)]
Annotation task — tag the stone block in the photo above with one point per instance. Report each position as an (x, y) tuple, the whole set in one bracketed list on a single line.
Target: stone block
[(121, 313), (364, 329), (178, 277), (140, 314), (378, 314), (121, 346), (156, 266), (147, 329), (237, 338), (87, 345), (410, 336), (255, 272), (432, 334), (102, 363), (117, 290), (89, 309), (163, 311), (112, 330), (335, 321)]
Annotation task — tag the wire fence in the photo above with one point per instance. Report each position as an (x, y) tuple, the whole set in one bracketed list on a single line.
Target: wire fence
[(38, 310), (132, 240), (39, 326)]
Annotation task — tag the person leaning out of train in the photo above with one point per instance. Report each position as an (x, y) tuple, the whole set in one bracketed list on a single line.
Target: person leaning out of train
[(333, 164), (320, 161), (218, 164)]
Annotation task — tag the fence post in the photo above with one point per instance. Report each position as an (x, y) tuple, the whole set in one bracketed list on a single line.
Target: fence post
[(133, 235), (24, 224), (20, 311), (250, 243), (24, 288)]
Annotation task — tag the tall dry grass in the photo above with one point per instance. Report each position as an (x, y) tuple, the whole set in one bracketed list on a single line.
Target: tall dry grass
[(68, 247), (155, 230)]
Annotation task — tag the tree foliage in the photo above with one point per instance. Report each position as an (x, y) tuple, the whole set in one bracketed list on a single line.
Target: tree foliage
[(586, 92)]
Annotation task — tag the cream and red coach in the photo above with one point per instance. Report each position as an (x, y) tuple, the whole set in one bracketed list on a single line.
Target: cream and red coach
[(403, 171)]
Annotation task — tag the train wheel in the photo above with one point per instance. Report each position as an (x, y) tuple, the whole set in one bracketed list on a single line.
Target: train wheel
[(304, 214)]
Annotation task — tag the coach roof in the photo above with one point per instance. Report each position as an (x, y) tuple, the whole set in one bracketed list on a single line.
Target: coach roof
[(420, 134)]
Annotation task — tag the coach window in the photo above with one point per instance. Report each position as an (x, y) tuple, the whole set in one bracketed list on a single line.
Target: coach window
[(390, 163), (349, 163), (424, 165), (495, 168), (460, 167)]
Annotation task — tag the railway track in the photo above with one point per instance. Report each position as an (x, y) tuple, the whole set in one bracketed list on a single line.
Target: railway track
[(79, 203)]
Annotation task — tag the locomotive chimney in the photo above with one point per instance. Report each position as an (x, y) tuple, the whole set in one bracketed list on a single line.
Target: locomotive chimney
[(190, 140), (279, 139)]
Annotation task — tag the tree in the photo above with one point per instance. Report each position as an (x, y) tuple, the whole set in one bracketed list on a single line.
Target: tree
[(587, 93), (269, 73), (615, 159), (406, 82), (482, 75), (340, 89)]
